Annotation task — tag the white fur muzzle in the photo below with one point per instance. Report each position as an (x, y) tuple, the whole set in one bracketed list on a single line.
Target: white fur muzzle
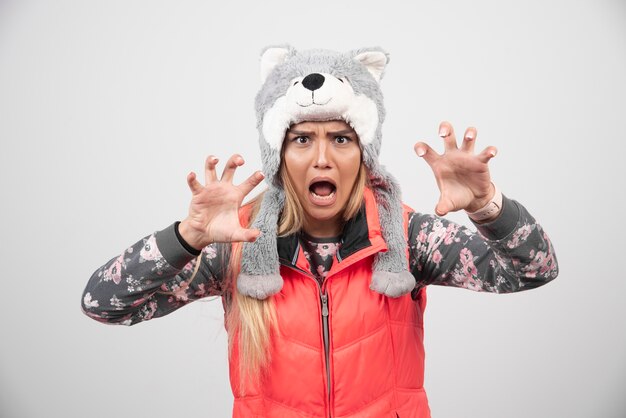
[(333, 100)]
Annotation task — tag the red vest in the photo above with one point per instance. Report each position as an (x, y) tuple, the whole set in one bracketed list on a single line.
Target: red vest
[(344, 351)]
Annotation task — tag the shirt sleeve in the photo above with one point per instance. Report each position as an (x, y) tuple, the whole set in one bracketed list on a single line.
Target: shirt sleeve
[(152, 278), (510, 254)]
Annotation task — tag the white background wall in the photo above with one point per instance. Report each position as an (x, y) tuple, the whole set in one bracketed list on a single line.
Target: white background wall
[(105, 106)]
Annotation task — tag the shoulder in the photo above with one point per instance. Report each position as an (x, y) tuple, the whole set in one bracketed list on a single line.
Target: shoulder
[(407, 213), (406, 209)]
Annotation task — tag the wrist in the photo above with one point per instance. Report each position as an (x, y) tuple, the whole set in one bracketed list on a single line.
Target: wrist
[(189, 236), (478, 204), (487, 211)]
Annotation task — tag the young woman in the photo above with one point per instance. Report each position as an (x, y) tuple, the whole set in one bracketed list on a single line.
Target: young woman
[(328, 340)]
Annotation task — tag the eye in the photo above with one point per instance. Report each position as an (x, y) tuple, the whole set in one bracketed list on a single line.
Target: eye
[(295, 83), (339, 78), (301, 139), (342, 140)]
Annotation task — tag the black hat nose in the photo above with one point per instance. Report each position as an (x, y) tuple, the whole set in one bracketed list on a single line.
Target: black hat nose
[(313, 81)]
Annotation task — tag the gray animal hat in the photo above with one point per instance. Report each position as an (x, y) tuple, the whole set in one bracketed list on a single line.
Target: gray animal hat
[(319, 85)]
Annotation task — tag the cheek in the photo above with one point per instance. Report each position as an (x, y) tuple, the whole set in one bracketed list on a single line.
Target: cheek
[(293, 176), (295, 154), (296, 176), (295, 166), (355, 163), (351, 171)]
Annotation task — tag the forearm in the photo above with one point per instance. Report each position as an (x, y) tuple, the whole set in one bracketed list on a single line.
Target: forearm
[(152, 278), (509, 254)]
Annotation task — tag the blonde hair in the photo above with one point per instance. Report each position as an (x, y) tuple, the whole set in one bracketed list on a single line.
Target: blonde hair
[(250, 321)]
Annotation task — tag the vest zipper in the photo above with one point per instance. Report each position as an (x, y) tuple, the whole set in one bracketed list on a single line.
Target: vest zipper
[(325, 333), (324, 297), (325, 327)]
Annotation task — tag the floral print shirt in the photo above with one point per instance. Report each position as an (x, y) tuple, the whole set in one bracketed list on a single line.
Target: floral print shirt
[(157, 275), (320, 252)]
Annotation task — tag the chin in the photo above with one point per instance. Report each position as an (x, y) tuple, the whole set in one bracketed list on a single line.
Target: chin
[(323, 214)]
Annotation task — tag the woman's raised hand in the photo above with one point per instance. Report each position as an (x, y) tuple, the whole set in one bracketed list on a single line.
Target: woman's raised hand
[(214, 209), (462, 176)]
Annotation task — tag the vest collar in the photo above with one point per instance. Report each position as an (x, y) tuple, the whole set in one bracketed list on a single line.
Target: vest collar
[(360, 232)]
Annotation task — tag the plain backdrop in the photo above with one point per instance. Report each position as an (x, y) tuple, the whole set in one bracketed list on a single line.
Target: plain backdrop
[(105, 106)]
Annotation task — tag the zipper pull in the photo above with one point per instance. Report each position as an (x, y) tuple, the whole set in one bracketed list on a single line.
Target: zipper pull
[(324, 305)]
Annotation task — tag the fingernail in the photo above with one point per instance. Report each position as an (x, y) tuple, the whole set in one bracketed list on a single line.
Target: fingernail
[(421, 152), (443, 132), (261, 175), (469, 136), (493, 152)]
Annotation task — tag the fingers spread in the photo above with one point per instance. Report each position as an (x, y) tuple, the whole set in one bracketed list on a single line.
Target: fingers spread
[(251, 182), (487, 154), (229, 171), (447, 134), (209, 169), (426, 152), (469, 139), (194, 185)]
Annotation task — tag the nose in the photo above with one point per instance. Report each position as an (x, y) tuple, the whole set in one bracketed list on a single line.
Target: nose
[(313, 81), (321, 158)]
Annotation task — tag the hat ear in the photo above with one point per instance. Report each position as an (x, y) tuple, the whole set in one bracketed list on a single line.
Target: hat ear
[(375, 60), (273, 56)]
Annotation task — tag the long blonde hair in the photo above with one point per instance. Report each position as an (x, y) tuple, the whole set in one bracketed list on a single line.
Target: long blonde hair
[(250, 321)]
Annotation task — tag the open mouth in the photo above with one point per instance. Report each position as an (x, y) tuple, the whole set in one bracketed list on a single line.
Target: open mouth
[(323, 192)]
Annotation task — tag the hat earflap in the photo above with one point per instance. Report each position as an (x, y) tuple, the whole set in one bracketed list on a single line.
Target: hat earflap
[(390, 274), (260, 269)]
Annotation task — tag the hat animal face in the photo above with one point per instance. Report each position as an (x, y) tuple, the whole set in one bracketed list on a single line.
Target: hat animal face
[(319, 85), (320, 97)]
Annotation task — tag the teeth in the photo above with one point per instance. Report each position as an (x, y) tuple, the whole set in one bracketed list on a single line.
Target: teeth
[(324, 197)]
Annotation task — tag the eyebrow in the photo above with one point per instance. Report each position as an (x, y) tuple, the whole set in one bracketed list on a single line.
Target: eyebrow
[(344, 132)]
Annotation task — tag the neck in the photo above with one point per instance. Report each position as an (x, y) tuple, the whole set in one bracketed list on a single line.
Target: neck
[(323, 228)]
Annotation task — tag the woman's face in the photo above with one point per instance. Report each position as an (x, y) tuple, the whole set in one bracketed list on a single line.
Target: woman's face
[(322, 160)]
